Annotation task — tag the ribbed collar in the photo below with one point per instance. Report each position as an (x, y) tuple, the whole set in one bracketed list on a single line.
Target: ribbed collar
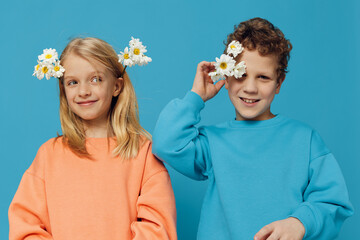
[(257, 124)]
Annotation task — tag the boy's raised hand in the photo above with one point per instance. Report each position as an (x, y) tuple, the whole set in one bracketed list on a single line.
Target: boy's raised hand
[(287, 229), (203, 85)]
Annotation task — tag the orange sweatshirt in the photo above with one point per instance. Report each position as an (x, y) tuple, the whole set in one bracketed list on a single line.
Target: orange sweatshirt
[(65, 197)]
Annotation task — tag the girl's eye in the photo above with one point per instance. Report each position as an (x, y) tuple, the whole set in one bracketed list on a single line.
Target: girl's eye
[(96, 80), (71, 83)]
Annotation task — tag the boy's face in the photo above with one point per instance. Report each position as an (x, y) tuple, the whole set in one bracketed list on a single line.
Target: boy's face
[(252, 94)]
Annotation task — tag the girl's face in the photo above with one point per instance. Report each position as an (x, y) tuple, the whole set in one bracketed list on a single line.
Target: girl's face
[(89, 89)]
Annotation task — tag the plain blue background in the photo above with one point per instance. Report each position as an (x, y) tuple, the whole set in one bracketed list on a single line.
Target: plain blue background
[(321, 89)]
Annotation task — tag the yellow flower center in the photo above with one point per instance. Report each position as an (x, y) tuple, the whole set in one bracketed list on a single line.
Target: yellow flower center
[(223, 65), (56, 68), (136, 51), (126, 56), (48, 56), (44, 69), (232, 46), (37, 67)]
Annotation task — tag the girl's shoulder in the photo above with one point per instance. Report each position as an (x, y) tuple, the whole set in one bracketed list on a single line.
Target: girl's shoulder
[(144, 141), (45, 152), (50, 148), (151, 163), (52, 144)]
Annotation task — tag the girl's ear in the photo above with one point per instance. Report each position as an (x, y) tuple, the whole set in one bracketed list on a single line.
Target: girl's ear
[(119, 83), (226, 83), (280, 82)]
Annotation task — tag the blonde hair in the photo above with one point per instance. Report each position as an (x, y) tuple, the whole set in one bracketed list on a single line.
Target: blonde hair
[(123, 119)]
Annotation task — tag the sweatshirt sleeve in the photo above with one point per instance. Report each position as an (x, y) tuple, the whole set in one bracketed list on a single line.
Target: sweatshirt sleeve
[(28, 214), (156, 211), (326, 202), (178, 142)]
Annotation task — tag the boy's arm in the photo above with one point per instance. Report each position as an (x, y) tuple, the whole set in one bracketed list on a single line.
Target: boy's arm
[(326, 202), (176, 140), (156, 211)]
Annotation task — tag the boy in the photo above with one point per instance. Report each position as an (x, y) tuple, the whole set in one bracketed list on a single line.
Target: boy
[(270, 177)]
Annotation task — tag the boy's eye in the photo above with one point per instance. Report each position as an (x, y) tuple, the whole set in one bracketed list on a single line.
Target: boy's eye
[(242, 77), (264, 77)]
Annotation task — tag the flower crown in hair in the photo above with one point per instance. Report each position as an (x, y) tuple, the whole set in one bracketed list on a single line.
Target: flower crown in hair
[(134, 55), (48, 65), (226, 66)]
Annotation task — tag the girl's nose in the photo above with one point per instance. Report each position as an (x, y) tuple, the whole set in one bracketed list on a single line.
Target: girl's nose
[(84, 90)]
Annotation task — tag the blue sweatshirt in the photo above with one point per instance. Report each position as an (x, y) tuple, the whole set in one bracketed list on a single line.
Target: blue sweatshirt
[(258, 172)]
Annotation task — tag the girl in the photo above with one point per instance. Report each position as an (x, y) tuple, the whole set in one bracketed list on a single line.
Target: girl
[(99, 179)]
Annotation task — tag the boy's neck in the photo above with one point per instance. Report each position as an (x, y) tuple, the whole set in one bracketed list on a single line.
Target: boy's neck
[(268, 116)]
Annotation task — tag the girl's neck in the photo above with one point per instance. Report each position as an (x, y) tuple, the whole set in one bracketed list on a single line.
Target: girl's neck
[(96, 129)]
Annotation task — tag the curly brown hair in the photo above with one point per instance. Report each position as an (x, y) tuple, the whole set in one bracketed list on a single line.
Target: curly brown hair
[(260, 34)]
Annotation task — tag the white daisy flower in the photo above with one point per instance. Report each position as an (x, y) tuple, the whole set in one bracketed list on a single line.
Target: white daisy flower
[(46, 71), (48, 65), (58, 70), (125, 58), (234, 48), (37, 69), (49, 55), (134, 41), (215, 76), (144, 60), (239, 69), (136, 53), (225, 65), (43, 70)]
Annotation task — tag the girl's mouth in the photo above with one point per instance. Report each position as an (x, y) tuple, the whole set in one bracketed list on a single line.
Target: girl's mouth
[(86, 103)]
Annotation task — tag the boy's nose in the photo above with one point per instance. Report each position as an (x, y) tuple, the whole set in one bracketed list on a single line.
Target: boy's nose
[(250, 86)]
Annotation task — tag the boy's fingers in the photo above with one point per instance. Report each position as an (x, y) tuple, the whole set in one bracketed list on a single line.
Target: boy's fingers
[(264, 233), (205, 67), (200, 66), (219, 85), (273, 236), (203, 64)]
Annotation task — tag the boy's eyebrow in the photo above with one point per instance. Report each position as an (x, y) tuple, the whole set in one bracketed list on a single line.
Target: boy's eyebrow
[(261, 72)]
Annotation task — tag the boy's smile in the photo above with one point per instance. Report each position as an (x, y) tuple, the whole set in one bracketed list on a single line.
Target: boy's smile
[(253, 94), (249, 101)]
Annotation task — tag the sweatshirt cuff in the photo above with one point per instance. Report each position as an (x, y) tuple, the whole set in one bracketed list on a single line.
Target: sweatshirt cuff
[(306, 215), (195, 100)]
